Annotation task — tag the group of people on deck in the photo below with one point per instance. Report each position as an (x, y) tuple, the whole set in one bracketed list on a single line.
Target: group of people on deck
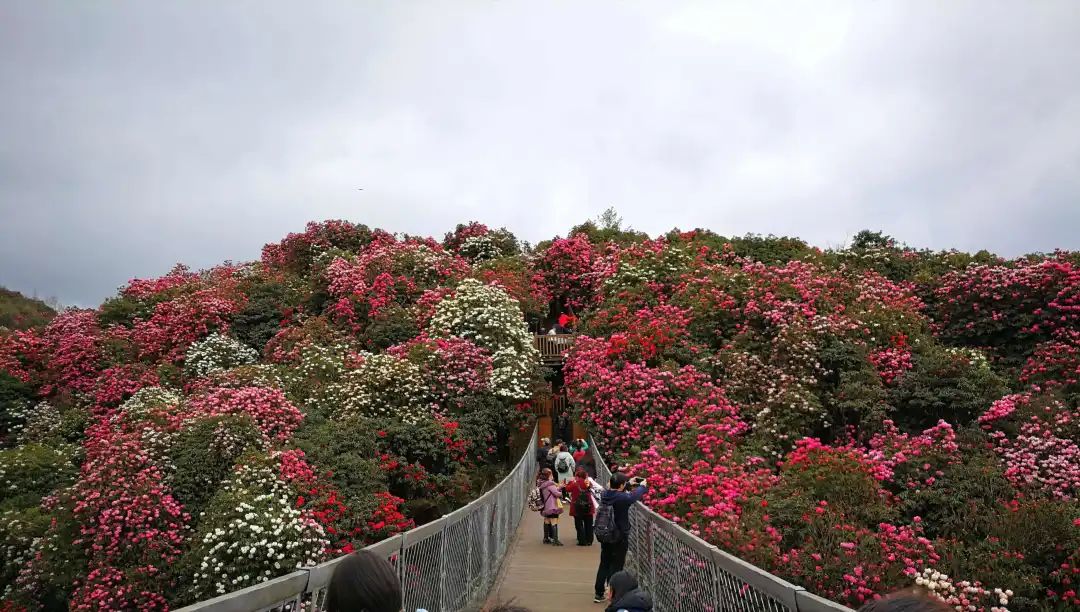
[(567, 477)]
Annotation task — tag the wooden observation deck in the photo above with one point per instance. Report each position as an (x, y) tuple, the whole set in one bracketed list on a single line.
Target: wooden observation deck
[(553, 347)]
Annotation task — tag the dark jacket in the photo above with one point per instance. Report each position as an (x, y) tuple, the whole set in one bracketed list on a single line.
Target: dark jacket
[(541, 454), (634, 601), (622, 500), (626, 596)]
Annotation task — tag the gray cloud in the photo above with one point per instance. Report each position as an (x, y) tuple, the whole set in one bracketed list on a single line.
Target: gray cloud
[(136, 135)]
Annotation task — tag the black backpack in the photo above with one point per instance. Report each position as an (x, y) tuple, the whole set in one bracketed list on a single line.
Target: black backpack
[(607, 532), (562, 466), (583, 503)]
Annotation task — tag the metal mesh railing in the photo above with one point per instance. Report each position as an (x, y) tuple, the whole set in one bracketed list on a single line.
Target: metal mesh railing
[(444, 566), (683, 572)]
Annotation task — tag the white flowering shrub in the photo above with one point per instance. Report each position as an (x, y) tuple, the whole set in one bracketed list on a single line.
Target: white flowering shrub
[(252, 532), (35, 423), (217, 352), (382, 386), (491, 319), (962, 594), (481, 248), (148, 402)]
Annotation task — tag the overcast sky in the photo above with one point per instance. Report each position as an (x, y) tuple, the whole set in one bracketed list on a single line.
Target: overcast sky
[(134, 135)]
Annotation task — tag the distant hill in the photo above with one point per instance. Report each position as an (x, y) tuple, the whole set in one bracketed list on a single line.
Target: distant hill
[(20, 312)]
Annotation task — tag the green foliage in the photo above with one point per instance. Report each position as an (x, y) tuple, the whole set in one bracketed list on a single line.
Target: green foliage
[(203, 455), (608, 227), (15, 399), (834, 477), (31, 471), (261, 316), (347, 450), (963, 500), (943, 385), (393, 325), (20, 312), (852, 391), (18, 530)]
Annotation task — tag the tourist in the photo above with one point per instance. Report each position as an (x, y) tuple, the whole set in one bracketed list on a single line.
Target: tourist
[(614, 532), (542, 453), (578, 451), (364, 581), (626, 596), (551, 494), (565, 465), (908, 600), (582, 506)]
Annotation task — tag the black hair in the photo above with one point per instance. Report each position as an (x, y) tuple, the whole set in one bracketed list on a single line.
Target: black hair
[(364, 581), (618, 480), (621, 583), (909, 600)]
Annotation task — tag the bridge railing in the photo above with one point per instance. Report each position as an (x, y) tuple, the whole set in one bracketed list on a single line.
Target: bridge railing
[(684, 572), (446, 565)]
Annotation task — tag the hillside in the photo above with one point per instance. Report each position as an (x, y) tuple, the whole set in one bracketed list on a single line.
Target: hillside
[(20, 312), (855, 420)]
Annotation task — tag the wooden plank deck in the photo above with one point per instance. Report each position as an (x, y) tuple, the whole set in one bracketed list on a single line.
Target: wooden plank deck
[(547, 578)]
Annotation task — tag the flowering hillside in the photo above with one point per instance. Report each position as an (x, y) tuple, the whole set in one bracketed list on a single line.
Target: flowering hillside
[(854, 421), (202, 432)]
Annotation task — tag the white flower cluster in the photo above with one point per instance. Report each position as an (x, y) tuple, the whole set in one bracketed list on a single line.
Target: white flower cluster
[(480, 248), (217, 352), (964, 596), (38, 422), (146, 402), (493, 320), (383, 386), (975, 357), (665, 265), (255, 535)]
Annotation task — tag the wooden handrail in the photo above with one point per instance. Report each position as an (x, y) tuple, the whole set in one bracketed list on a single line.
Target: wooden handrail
[(553, 346)]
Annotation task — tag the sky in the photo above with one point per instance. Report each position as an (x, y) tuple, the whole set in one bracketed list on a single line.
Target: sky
[(135, 135)]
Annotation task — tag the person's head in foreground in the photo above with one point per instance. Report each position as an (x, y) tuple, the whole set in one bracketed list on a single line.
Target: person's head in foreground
[(618, 481), (364, 581), (625, 594), (910, 600), (546, 474), (581, 474)]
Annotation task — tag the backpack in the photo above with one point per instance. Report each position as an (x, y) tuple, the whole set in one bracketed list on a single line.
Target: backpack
[(583, 503), (607, 532), (562, 466), (536, 501)]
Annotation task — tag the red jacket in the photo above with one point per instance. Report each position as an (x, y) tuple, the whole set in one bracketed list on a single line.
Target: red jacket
[(577, 488)]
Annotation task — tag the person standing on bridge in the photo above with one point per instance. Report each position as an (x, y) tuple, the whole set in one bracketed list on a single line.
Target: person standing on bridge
[(582, 506), (612, 527), (542, 453), (551, 494), (565, 465)]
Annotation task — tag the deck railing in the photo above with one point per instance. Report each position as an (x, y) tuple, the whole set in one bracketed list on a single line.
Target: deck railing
[(684, 572), (553, 347), (444, 566)]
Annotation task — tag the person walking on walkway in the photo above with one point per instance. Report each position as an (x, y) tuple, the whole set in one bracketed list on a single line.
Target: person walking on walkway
[(551, 493), (542, 453), (626, 596), (565, 466), (582, 506), (612, 526)]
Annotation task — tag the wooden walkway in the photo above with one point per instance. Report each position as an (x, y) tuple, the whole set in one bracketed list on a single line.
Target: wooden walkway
[(547, 578)]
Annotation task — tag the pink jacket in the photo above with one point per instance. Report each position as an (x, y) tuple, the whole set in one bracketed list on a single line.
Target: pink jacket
[(550, 493)]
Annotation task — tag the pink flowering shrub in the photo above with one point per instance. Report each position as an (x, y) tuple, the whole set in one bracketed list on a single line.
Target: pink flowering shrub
[(172, 434)]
